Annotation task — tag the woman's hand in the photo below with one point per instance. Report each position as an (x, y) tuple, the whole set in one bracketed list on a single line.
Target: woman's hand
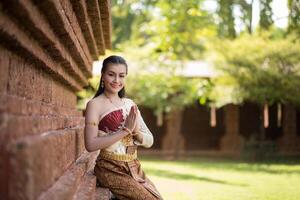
[(131, 119)]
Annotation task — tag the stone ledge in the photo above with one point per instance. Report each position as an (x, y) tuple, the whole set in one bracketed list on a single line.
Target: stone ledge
[(75, 179), (102, 194), (87, 188)]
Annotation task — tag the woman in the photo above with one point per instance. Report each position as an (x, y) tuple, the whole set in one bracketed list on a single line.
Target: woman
[(114, 124)]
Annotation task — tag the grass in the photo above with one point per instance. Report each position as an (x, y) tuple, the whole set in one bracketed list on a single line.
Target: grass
[(221, 179)]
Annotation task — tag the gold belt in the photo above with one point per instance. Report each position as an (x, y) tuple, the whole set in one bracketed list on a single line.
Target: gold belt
[(116, 156)]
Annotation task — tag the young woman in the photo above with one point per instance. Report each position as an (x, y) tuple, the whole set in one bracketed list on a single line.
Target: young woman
[(114, 124)]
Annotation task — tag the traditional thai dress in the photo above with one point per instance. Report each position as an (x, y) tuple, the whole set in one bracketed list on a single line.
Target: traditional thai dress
[(117, 166)]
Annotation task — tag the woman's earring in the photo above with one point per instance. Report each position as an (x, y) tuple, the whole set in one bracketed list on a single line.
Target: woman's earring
[(102, 84)]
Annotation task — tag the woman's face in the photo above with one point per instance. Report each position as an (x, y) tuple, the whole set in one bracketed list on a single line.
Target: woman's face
[(114, 77)]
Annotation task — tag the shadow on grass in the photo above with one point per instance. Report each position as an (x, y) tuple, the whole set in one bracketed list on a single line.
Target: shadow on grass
[(179, 176), (270, 167)]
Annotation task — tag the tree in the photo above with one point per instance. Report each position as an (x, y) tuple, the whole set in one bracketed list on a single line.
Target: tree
[(246, 9), (260, 69), (167, 95), (265, 70), (127, 18), (164, 34), (226, 19), (294, 16), (265, 14)]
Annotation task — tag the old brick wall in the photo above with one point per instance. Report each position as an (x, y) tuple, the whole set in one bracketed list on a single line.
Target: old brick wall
[(46, 53)]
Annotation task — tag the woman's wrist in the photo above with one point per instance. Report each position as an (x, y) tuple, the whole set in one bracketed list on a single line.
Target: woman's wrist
[(127, 130), (139, 137)]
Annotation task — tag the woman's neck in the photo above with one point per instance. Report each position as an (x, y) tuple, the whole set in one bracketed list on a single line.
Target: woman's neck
[(111, 95)]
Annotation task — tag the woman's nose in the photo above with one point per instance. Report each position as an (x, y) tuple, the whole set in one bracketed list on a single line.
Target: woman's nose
[(116, 79)]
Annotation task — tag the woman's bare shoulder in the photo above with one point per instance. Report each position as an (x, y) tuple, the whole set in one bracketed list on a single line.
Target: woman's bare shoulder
[(96, 103)]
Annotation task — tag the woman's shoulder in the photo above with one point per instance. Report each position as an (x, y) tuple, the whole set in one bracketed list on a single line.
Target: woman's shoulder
[(95, 102)]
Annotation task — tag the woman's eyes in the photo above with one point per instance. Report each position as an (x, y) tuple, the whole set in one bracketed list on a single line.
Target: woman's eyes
[(121, 76)]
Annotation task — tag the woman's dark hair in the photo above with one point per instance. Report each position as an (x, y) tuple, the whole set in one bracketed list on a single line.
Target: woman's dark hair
[(106, 62)]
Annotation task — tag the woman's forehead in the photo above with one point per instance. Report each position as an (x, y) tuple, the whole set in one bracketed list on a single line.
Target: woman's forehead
[(117, 68)]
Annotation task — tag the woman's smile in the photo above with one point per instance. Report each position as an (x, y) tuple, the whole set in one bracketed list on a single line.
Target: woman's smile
[(115, 85)]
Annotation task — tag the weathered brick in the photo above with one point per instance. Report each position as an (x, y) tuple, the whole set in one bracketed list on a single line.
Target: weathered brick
[(16, 105), (16, 40), (46, 59), (57, 123), (80, 9), (66, 186), (62, 97), (61, 25), (4, 69), (15, 84), (4, 169), (28, 117), (31, 19), (80, 148), (19, 105), (93, 11), (102, 194), (106, 21), (68, 11), (36, 162), (86, 189), (3, 103), (69, 99)]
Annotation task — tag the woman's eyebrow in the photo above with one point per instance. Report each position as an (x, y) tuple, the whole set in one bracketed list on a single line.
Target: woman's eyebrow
[(116, 73)]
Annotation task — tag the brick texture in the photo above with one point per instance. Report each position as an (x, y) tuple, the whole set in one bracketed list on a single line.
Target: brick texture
[(46, 55)]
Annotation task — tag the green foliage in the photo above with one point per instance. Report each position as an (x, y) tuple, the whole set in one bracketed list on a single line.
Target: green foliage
[(180, 29), (261, 69), (162, 92), (159, 34), (294, 16), (265, 20), (226, 25), (246, 10), (152, 34), (177, 29), (85, 95)]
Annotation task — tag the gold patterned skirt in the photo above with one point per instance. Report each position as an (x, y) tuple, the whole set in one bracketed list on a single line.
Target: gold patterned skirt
[(125, 179)]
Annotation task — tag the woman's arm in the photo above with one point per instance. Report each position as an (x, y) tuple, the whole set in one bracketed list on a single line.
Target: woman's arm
[(142, 134), (91, 140)]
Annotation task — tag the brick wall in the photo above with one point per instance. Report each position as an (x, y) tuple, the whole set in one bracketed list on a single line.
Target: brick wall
[(46, 53)]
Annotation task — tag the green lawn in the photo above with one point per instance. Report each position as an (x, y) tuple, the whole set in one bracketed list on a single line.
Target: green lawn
[(216, 179)]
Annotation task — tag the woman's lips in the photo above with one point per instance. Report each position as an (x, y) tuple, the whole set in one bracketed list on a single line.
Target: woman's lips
[(114, 86)]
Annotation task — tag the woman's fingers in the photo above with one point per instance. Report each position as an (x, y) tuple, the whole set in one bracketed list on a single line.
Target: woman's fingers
[(131, 118)]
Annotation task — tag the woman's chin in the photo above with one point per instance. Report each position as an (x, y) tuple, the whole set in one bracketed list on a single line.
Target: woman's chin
[(114, 90)]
